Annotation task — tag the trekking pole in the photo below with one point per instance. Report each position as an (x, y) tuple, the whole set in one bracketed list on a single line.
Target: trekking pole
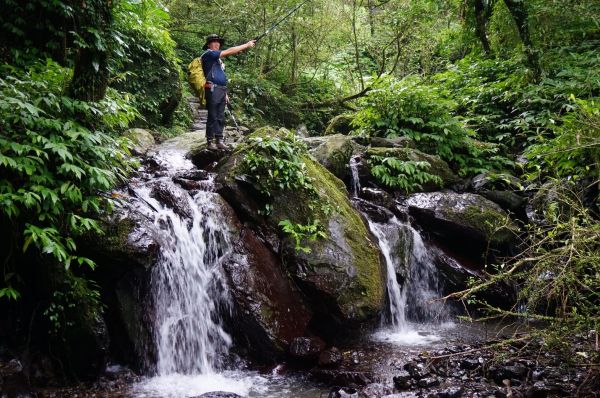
[(276, 24), (237, 126)]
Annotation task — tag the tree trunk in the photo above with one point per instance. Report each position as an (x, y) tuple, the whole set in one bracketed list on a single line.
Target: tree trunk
[(93, 20), (518, 11), (481, 21)]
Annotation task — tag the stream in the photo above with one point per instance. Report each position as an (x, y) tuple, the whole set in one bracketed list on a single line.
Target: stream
[(190, 296)]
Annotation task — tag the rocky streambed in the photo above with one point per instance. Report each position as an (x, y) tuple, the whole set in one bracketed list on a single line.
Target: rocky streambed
[(205, 293), (458, 360)]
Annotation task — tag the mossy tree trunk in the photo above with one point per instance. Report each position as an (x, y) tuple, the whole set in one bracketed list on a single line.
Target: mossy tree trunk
[(93, 23), (483, 12), (520, 14)]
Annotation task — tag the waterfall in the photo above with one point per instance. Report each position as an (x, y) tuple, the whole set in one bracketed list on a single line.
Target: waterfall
[(187, 286), (388, 236), (355, 179), (406, 253)]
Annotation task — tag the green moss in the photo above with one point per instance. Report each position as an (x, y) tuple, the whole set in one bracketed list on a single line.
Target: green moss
[(368, 291), (341, 124), (495, 225), (345, 265)]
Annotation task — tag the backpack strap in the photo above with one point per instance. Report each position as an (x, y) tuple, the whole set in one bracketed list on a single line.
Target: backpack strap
[(211, 71)]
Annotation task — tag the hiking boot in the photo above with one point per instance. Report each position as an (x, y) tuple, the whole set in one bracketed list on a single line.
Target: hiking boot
[(211, 146), (221, 144)]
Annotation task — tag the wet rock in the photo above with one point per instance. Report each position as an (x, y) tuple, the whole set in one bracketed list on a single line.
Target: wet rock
[(188, 185), (508, 200), (374, 212), (142, 140), (342, 377), (428, 382), (205, 158), (340, 124), (341, 275), (538, 390), (194, 175), (417, 371), (449, 392), (335, 153), (398, 142), (375, 390), (438, 167), (330, 358), (403, 380), (306, 347), (219, 394), (510, 372), (469, 363), (175, 199), (378, 197), (270, 312), (467, 222), (344, 392)]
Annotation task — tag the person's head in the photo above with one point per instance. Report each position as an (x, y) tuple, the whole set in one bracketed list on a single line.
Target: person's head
[(213, 42)]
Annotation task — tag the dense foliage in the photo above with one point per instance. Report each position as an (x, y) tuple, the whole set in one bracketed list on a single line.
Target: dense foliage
[(276, 164), (68, 90), (505, 88)]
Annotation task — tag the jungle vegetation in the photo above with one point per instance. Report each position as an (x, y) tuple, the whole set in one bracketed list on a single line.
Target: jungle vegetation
[(506, 87)]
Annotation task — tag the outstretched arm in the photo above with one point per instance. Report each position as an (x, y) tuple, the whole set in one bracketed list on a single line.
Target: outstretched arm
[(237, 49)]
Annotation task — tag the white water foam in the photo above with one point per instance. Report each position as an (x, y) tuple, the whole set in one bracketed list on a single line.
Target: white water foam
[(403, 248), (355, 179)]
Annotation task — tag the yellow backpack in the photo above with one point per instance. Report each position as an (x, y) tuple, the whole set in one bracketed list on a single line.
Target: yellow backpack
[(197, 79)]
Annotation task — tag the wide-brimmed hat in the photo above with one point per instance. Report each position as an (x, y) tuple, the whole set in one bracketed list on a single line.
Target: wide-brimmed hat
[(211, 38)]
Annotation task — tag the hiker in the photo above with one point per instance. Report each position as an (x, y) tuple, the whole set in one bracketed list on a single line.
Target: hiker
[(216, 87)]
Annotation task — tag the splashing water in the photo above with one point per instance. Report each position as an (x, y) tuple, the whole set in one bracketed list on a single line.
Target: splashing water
[(404, 249), (355, 179), (187, 286)]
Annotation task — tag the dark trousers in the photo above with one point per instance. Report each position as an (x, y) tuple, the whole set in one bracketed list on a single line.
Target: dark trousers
[(215, 104)]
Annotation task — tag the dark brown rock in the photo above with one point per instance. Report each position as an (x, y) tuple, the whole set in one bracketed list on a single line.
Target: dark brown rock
[(330, 358), (306, 347), (270, 311)]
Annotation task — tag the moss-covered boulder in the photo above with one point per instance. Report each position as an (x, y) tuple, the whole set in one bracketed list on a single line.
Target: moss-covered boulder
[(467, 223), (438, 167), (142, 140), (340, 274), (341, 124), (335, 153)]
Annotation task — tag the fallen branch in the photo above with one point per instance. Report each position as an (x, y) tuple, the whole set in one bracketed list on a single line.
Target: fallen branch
[(337, 101)]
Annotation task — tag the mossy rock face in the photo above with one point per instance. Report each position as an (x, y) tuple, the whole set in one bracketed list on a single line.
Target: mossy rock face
[(141, 139), (342, 275), (335, 153), (467, 222), (438, 166), (341, 124)]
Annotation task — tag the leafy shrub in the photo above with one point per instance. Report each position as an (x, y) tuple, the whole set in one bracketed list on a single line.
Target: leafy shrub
[(56, 156), (411, 108), (556, 272), (146, 65), (276, 164), (573, 152), (408, 176)]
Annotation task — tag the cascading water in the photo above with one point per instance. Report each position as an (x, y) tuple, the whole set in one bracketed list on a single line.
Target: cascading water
[(188, 290), (355, 179), (406, 255)]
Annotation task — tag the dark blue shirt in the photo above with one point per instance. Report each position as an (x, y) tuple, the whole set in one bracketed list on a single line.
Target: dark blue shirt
[(211, 65)]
